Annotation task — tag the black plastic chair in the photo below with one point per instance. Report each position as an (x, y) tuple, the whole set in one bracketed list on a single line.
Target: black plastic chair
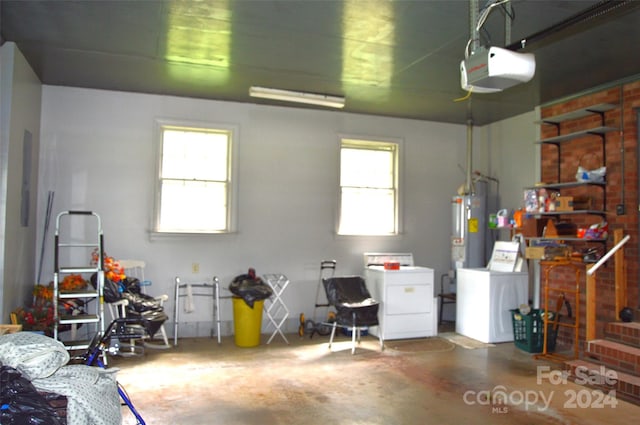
[(355, 308)]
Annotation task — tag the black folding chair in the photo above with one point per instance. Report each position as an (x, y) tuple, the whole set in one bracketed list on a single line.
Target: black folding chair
[(355, 308)]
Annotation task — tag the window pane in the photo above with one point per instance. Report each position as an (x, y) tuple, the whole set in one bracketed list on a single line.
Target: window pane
[(193, 206), (195, 155), (367, 211), (194, 185), (368, 184), (366, 168)]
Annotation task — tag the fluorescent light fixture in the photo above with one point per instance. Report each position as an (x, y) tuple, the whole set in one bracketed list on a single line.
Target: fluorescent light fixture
[(298, 97)]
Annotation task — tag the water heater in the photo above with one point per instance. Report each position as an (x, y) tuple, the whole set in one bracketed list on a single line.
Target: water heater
[(468, 231)]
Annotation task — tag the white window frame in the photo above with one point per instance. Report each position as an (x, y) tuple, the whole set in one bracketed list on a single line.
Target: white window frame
[(232, 187), (373, 143)]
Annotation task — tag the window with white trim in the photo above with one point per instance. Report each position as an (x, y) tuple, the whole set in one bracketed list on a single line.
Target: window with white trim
[(194, 180), (368, 187)]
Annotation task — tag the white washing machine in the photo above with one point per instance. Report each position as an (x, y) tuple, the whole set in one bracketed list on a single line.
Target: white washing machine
[(484, 301)]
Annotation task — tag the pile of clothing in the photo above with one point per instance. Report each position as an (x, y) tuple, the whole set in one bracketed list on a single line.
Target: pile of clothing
[(33, 366)]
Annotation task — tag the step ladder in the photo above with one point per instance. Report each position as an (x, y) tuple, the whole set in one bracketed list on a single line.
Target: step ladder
[(78, 239)]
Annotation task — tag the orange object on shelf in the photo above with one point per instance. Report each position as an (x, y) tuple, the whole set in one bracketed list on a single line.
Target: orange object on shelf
[(517, 218)]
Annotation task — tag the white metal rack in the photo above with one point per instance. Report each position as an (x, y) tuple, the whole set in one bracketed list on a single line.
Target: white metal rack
[(275, 308), (70, 247)]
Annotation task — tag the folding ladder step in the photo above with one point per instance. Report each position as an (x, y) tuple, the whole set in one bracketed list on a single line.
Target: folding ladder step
[(78, 269), (81, 293), (80, 318)]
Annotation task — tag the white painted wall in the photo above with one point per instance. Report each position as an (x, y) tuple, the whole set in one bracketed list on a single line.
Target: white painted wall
[(98, 154), (20, 102), (513, 156), (514, 159)]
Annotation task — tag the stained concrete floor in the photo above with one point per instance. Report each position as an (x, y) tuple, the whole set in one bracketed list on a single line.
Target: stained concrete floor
[(421, 381)]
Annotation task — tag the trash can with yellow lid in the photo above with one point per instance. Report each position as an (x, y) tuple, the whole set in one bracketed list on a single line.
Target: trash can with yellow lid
[(247, 322)]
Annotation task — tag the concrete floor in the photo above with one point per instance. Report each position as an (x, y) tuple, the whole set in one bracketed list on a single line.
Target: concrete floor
[(421, 381)]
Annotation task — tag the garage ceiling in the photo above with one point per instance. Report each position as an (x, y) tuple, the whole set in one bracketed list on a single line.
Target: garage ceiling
[(391, 58)]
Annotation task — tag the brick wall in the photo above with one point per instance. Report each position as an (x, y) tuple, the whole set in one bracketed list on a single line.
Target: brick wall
[(621, 160)]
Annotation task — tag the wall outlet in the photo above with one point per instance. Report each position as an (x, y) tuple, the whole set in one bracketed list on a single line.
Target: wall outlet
[(195, 268), (620, 210)]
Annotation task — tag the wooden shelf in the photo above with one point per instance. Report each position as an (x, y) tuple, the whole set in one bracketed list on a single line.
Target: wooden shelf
[(599, 108), (575, 212), (600, 131), (564, 238), (566, 185)]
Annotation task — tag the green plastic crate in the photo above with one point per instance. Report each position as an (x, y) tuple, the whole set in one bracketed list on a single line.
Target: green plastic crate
[(528, 334)]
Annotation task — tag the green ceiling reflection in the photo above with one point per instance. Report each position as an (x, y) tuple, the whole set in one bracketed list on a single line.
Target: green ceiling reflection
[(198, 40), (367, 50)]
